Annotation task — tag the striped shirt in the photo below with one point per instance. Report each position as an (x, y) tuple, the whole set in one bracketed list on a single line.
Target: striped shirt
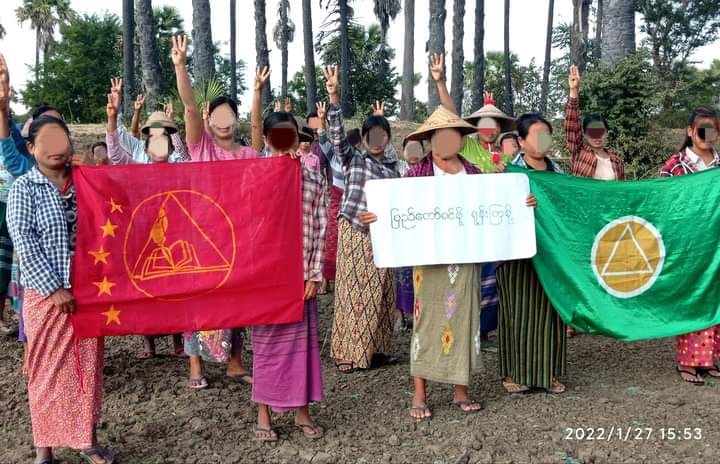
[(358, 167)]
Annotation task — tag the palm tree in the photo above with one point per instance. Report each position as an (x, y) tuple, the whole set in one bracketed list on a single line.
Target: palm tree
[(385, 11), (233, 46), (436, 44), (262, 54), (345, 63), (508, 69), (597, 53), (203, 48), (479, 56), (44, 17), (458, 58), (407, 100), (618, 29), (151, 74), (546, 66), (579, 35), (283, 34), (310, 77), (128, 30)]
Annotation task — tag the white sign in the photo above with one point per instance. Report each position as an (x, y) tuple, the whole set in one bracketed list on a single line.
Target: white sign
[(450, 219)]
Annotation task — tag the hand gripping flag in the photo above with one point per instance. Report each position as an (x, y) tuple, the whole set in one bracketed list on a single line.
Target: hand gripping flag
[(167, 248)]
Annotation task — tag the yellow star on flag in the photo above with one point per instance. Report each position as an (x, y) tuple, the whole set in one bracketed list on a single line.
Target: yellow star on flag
[(100, 255), (112, 315), (115, 206), (104, 287), (108, 229)]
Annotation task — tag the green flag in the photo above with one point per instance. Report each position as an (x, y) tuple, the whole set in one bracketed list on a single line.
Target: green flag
[(630, 260)]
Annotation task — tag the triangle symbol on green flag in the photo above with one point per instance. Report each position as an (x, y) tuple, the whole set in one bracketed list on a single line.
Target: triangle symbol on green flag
[(627, 257)]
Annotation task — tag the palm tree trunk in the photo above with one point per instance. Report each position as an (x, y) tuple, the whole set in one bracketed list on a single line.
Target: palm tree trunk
[(284, 48), (148, 52), (407, 99), (128, 29), (548, 51), (262, 54), (233, 46), (597, 53), (458, 57), (310, 77), (478, 97), (37, 54), (345, 90), (203, 48), (618, 30), (436, 44), (508, 76)]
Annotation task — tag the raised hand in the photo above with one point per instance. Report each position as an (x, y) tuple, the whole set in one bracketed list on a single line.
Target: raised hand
[(288, 105), (169, 110), (261, 77), (574, 80), (379, 108), (276, 107), (437, 66), (321, 110), (139, 102), (4, 84), (489, 97), (331, 78), (179, 50), (116, 86), (113, 105)]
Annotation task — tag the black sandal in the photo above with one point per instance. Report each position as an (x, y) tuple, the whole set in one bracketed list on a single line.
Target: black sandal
[(698, 379), (713, 372), (426, 412), (350, 367)]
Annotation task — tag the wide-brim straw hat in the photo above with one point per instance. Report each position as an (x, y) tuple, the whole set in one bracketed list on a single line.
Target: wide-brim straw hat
[(442, 118), (507, 123), (159, 120)]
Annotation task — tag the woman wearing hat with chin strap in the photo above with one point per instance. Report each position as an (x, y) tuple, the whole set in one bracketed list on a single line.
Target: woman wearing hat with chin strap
[(445, 344), (489, 121)]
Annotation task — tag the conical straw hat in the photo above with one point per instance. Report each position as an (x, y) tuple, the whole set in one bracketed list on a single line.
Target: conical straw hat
[(507, 124), (159, 120), (442, 118)]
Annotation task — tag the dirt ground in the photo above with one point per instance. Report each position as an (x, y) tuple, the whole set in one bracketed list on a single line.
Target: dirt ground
[(149, 416)]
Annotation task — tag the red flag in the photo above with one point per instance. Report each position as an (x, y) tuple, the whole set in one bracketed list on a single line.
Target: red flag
[(167, 248)]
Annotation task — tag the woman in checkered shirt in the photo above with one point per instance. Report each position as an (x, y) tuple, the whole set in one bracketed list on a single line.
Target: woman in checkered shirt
[(65, 376)]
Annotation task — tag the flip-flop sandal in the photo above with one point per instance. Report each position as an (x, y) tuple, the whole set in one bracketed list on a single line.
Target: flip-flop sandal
[(556, 387), (197, 383), (514, 388), (312, 430), (698, 379), (268, 435), (245, 376), (427, 413), (87, 455), (467, 403), (350, 367), (145, 355), (713, 372)]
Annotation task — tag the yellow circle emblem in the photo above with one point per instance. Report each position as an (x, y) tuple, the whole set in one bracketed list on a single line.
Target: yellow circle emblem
[(628, 256)]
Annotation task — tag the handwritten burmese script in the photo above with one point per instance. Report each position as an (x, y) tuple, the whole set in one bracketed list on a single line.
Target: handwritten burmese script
[(450, 219)]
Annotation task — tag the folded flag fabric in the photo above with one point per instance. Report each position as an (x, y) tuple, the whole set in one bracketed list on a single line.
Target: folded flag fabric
[(630, 260), (166, 248)]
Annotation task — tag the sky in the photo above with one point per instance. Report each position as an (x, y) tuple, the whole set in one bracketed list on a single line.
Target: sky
[(527, 33)]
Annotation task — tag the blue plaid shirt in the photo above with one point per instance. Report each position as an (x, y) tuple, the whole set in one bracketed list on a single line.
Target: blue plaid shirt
[(38, 228)]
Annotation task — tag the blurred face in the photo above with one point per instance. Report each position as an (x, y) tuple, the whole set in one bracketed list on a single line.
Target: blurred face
[(282, 138), (413, 152), (158, 145), (100, 156), (52, 149), (596, 135), (446, 143), (375, 141), (510, 147), (314, 123), (538, 142), (222, 122), (304, 147), (488, 130), (704, 133)]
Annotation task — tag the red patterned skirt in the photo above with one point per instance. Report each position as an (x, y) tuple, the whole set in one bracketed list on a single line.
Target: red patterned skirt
[(331, 242)]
